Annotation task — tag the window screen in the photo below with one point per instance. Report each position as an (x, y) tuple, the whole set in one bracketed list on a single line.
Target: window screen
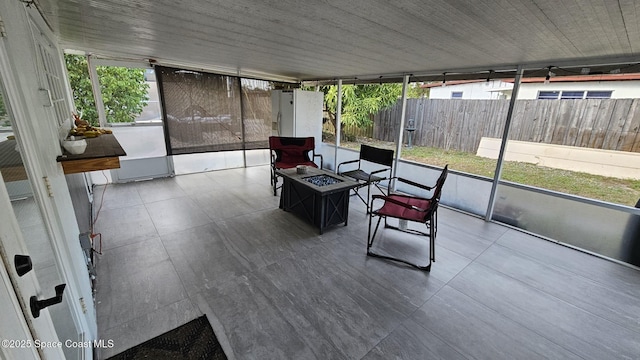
[(572, 95), (548, 95), (206, 112), (599, 94), (256, 112), (201, 111)]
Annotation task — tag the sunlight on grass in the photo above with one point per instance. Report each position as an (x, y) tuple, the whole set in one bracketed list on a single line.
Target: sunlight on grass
[(614, 190)]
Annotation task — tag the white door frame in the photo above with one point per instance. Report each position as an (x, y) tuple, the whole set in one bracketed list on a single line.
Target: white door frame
[(38, 133)]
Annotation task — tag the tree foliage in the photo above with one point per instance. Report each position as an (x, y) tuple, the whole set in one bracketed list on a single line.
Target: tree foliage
[(4, 120), (124, 91), (414, 91), (360, 102)]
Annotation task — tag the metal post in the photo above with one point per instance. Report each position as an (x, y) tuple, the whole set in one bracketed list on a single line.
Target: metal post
[(411, 127), (338, 129), (244, 144), (503, 145), (97, 93), (405, 83)]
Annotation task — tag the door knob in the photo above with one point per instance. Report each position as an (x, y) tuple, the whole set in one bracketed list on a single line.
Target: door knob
[(37, 305), (22, 263)]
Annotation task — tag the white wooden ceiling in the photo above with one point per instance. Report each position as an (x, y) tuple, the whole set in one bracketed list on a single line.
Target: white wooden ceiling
[(328, 39)]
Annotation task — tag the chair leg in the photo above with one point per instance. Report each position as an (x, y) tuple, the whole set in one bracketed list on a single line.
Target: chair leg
[(435, 224), (431, 235), (370, 238), (369, 233), (274, 181), (426, 268), (357, 193), (368, 198)]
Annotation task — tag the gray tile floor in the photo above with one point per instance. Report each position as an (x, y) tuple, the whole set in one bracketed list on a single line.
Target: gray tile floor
[(216, 244)]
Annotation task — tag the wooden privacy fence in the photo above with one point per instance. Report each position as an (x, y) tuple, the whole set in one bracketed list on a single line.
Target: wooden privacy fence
[(610, 124)]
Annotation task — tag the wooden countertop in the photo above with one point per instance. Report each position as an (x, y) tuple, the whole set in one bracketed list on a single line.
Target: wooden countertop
[(102, 153)]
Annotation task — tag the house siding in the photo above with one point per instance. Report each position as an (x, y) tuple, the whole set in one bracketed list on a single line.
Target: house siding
[(497, 89)]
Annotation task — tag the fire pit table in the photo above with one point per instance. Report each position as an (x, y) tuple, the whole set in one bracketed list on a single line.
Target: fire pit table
[(319, 196)]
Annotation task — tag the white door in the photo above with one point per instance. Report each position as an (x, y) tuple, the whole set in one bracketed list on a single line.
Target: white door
[(284, 112), (33, 75), (53, 331), (23, 336)]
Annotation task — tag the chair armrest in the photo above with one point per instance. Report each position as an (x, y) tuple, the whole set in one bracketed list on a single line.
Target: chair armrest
[(346, 162), (413, 183), (377, 172), (321, 158)]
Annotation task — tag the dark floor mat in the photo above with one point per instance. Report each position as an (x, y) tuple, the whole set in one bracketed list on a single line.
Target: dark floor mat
[(193, 340)]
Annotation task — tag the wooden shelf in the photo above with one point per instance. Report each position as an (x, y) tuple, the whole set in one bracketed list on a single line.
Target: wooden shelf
[(102, 153)]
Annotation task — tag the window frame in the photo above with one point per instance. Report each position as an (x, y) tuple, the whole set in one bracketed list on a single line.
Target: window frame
[(572, 94), (540, 95), (589, 94)]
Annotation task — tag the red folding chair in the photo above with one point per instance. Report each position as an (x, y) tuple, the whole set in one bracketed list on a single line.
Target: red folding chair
[(289, 152), (411, 209)]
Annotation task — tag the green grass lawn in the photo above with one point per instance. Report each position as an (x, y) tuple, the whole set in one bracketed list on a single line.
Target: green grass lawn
[(614, 190)]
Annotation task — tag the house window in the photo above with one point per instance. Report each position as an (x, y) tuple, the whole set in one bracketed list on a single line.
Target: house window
[(456, 94), (566, 94), (548, 95), (599, 94), (572, 95)]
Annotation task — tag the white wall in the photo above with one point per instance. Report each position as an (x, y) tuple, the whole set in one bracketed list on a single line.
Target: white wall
[(621, 89), (482, 90), (495, 89)]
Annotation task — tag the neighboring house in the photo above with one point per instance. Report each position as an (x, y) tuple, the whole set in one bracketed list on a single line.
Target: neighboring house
[(470, 89), (608, 86)]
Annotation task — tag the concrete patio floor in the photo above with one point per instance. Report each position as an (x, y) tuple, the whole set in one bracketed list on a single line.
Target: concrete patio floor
[(216, 243)]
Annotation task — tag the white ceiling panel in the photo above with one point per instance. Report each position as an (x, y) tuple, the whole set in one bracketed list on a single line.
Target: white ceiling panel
[(311, 39)]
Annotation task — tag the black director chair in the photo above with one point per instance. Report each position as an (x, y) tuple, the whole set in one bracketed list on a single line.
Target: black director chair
[(372, 155)]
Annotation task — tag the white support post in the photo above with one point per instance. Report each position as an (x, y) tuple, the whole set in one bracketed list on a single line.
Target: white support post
[(403, 113), (503, 145), (97, 93), (338, 128)]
